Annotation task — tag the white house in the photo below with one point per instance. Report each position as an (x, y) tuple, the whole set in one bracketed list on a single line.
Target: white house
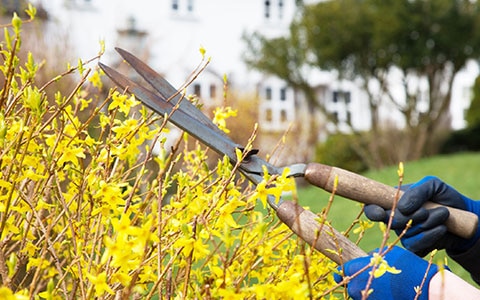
[(169, 34)]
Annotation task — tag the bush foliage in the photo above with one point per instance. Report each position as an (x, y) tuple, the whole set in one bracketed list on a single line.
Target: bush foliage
[(88, 211), (339, 150), (463, 140)]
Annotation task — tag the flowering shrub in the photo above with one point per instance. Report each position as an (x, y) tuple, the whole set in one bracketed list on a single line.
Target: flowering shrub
[(88, 211)]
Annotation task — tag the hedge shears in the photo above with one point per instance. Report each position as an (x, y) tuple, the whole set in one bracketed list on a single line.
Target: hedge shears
[(165, 100)]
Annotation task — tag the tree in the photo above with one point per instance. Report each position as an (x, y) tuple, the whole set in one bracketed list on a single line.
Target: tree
[(416, 47)]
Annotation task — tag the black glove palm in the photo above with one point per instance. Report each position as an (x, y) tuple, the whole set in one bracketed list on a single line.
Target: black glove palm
[(428, 229)]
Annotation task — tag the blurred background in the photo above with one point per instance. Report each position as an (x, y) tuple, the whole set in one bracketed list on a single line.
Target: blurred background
[(356, 84)]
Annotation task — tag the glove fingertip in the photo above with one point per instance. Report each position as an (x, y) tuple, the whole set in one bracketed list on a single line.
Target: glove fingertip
[(440, 214), (417, 194), (375, 212), (424, 242), (410, 202), (337, 277)]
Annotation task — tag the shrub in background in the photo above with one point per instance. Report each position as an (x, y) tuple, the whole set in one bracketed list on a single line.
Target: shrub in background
[(467, 139), (339, 150)]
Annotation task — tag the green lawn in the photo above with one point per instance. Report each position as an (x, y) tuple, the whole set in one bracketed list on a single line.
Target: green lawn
[(460, 171)]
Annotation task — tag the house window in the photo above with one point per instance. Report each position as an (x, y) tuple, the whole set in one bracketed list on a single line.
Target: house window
[(183, 6), (335, 117), (335, 97), (283, 115), (346, 97), (340, 109), (175, 5), (197, 90), (268, 115), (283, 94), (213, 91), (267, 9), (268, 93), (280, 9), (340, 96), (274, 9)]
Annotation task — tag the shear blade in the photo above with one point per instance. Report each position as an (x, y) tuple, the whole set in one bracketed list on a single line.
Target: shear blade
[(165, 89), (166, 100), (176, 115)]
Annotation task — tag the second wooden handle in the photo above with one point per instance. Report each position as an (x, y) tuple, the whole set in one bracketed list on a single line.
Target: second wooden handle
[(368, 191), (324, 238)]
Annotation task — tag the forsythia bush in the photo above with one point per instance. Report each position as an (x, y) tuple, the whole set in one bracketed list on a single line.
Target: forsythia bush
[(88, 211)]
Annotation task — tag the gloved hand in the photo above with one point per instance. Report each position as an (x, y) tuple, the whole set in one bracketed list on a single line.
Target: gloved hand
[(389, 285), (428, 229)]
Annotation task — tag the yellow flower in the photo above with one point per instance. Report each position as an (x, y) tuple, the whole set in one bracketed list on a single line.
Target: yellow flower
[(121, 277), (147, 274), (96, 80), (104, 120), (201, 249), (125, 128), (122, 102), (261, 193), (122, 225), (363, 225), (275, 189), (110, 193), (37, 262), (221, 114), (71, 154), (6, 293), (382, 266), (30, 249), (84, 103), (226, 212), (99, 284), (186, 243)]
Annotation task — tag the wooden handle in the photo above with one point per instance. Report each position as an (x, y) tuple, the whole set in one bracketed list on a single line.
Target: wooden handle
[(324, 238), (368, 191)]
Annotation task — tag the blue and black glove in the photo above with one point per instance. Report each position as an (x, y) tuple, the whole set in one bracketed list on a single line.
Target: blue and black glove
[(390, 286), (428, 231)]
